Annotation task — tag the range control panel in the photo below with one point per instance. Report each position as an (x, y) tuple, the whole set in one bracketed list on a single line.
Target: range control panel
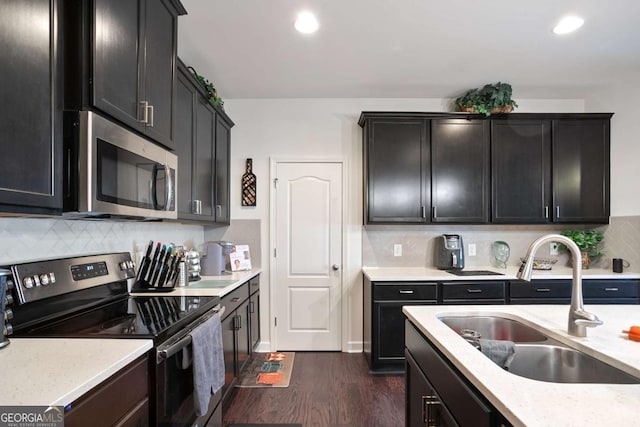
[(45, 279)]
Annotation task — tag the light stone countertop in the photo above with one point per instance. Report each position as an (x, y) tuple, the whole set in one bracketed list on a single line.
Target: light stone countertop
[(57, 371), (207, 285), (526, 402), (388, 274)]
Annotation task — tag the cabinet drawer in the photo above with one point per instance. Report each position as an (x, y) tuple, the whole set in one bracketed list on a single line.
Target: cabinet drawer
[(405, 291), (254, 285), (122, 397), (473, 290), (232, 300), (468, 407), (541, 289), (610, 288)]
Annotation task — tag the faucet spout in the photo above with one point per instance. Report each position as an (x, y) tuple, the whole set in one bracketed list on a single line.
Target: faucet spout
[(579, 318)]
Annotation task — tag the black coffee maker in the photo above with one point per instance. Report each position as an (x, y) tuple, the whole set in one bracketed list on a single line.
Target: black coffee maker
[(449, 252)]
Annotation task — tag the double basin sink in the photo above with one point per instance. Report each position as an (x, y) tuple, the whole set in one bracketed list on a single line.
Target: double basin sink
[(538, 356)]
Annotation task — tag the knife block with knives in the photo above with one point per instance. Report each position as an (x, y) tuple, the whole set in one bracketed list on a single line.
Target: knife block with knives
[(159, 269)]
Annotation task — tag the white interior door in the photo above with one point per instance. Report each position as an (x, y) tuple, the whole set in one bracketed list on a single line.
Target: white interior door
[(308, 256)]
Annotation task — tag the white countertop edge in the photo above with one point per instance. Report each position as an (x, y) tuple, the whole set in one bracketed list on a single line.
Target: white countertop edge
[(526, 402), (58, 371), (386, 274), (240, 277)]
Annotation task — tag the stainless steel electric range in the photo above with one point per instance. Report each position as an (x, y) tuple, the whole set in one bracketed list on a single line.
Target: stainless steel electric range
[(86, 297)]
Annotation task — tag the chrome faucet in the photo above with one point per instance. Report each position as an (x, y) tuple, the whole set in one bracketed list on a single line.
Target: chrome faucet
[(579, 318)]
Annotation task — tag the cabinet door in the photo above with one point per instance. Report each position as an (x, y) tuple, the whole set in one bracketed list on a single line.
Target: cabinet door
[(203, 155), (423, 406), (184, 139), (460, 171), (521, 171), (242, 336), (397, 171), (228, 346), (118, 37), (388, 340), (580, 153), (31, 110), (159, 70), (254, 320), (223, 147)]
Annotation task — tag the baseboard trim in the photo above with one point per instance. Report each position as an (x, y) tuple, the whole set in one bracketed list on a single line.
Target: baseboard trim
[(353, 347)]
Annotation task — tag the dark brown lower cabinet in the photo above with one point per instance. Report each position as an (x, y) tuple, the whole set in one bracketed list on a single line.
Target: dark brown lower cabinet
[(423, 407), (437, 394), (122, 400), (241, 312)]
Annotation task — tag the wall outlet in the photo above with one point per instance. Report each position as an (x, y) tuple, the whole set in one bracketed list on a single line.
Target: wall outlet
[(553, 248), (472, 249), (397, 249)]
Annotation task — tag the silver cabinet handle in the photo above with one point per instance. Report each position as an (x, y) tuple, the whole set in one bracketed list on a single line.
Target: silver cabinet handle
[(423, 212), (543, 290), (435, 212), (429, 402), (219, 210), (611, 289), (150, 116), (196, 207), (145, 112), (335, 267), (405, 291), (474, 291), (546, 211), (557, 211)]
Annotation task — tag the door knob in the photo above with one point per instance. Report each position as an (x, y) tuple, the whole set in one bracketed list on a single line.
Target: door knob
[(335, 267)]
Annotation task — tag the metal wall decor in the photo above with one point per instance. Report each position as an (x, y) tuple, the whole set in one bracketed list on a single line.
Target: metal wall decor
[(249, 186)]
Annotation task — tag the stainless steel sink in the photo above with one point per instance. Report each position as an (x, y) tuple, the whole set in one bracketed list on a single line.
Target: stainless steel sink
[(538, 356), (559, 364), (495, 328)]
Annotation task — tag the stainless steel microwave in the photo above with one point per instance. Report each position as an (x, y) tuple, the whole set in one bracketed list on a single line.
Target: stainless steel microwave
[(112, 172)]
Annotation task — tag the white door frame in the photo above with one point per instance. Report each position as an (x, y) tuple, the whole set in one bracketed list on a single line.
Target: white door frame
[(345, 318)]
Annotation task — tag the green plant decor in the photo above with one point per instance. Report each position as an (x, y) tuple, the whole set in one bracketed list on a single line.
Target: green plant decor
[(491, 98), (214, 99), (586, 240)]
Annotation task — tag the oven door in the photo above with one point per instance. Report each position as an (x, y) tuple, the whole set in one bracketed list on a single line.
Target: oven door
[(120, 173), (174, 385)]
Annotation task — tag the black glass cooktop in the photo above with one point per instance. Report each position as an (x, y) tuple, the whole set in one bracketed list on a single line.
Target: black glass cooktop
[(474, 273), (131, 317)]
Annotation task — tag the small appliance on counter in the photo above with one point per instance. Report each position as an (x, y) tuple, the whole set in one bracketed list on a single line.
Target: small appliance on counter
[(449, 252), (215, 262)]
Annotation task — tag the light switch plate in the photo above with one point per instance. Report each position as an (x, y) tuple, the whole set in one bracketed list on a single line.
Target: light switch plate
[(553, 248), (472, 249), (397, 249)]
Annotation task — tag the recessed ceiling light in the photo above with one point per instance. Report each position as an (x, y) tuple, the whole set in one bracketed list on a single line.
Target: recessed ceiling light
[(568, 24), (306, 23)]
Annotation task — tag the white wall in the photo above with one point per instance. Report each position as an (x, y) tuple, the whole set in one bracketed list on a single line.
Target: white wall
[(317, 129), (622, 98)]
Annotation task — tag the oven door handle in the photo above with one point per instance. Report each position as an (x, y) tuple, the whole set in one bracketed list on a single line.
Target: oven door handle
[(184, 341)]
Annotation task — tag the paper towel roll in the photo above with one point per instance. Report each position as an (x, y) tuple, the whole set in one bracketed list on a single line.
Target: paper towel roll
[(214, 263)]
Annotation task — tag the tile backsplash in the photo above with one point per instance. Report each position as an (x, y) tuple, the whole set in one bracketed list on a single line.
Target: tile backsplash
[(622, 240), (28, 239)]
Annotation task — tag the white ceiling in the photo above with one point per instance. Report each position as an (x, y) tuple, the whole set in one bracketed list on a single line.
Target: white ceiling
[(408, 48)]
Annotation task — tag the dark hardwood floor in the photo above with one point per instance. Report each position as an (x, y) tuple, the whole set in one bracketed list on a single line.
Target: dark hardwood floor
[(326, 389)]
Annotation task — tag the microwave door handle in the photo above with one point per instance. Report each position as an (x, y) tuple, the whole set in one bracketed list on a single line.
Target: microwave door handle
[(154, 193), (169, 184)]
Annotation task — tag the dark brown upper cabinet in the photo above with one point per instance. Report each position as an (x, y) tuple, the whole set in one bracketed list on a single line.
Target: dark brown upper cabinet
[(397, 170), (121, 59), (31, 110), (203, 140), (460, 171), (521, 171), (581, 168), (518, 168)]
